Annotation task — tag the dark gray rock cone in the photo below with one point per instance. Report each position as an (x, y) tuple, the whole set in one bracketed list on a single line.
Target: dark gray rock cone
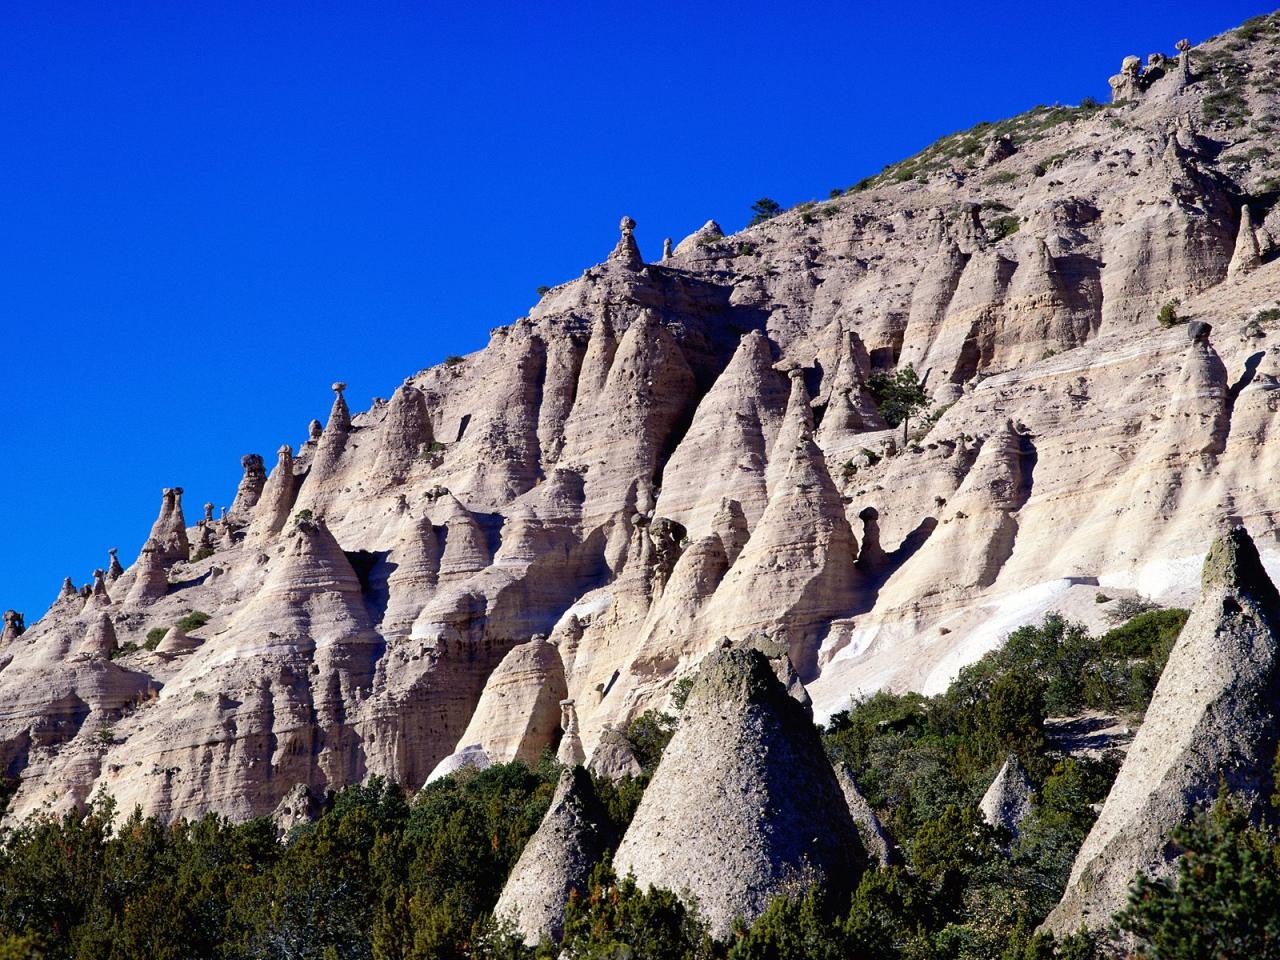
[(559, 858), (1215, 717), (744, 804)]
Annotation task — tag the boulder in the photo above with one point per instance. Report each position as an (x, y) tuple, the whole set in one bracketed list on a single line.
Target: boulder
[(1007, 801)]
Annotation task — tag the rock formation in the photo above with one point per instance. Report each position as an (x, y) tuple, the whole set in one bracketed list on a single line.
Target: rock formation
[(572, 838), (875, 838), (627, 253), (520, 711), (14, 626), (744, 801), (114, 569), (661, 455), (1008, 800), (150, 581), (613, 757), (100, 639), (249, 492), (1247, 255), (570, 752), (278, 495), (1214, 719)]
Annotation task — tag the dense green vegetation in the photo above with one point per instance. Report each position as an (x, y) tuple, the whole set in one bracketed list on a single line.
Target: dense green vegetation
[(380, 877)]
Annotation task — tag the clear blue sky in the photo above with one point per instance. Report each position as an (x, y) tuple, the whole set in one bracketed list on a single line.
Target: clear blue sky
[(209, 212)]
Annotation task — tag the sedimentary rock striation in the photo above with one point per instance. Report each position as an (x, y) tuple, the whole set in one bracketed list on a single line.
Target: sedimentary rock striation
[(663, 454)]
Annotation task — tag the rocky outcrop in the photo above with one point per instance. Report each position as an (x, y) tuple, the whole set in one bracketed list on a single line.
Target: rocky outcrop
[(278, 495), (169, 532), (1007, 801), (875, 838), (627, 253), (150, 579), (14, 626), (1214, 719), (406, 433), (744, 802), (518, 716), (1248, 255), (570, 752), (249, 492), (727, 445), (573, 837), (660, 455), (100, 640), (613, 757)]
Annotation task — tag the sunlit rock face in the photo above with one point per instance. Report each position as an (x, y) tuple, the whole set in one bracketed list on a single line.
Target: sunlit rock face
[(665, 453)]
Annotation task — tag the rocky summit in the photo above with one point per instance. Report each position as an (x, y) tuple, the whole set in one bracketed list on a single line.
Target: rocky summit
[(846, 449)]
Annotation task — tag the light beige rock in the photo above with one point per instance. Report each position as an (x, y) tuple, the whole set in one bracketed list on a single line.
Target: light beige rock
[(518, 716)]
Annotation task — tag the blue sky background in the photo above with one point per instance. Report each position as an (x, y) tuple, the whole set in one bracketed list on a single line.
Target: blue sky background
[(209, 212)]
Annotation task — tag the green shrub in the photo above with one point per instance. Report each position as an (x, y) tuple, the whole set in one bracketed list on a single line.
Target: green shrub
[(453, 360), (1002, 178), (764, 209), (543, 290), (193, 621), (154, 636), (899, 396), (1003, 227), (203, 553), (1168, 315), (649, 735), (680, 692), (1224, 900)]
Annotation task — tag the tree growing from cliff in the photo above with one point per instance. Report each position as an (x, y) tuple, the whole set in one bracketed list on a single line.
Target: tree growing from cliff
[(900, 396), (764, 209)]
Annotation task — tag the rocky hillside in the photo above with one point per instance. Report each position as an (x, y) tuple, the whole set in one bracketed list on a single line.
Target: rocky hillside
[(668, 452)]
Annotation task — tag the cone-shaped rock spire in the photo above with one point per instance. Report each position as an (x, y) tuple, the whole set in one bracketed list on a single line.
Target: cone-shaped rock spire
[(1215, 716), (100, 639), (627, 253), (557, 860), (1248, 254), (250, 490), (169, 532), (278, 495), (875, 838), (150, 582), (744, 801), (1008, 800), (176, 642), (518, 715), (114, 569), (405, 432), (727, 444)]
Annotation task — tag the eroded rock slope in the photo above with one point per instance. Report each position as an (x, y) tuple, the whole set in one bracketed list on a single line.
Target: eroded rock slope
[(665, 453)]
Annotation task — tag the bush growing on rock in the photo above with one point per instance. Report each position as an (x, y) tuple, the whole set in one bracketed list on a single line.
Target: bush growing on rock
[(1168, 315)]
